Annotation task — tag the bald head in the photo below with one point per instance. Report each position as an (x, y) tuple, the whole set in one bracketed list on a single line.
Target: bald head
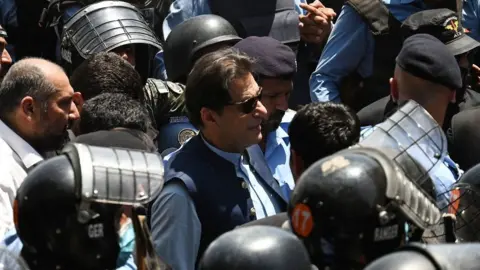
[(33, 77), (432, 96)]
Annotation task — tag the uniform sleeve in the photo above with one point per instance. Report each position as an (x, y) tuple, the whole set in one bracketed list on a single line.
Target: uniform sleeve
[(347, 47), (181, 10), (176, 229), (470, 18)]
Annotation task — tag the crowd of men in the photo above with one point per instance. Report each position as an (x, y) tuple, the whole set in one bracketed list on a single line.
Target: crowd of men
[(219, 134)]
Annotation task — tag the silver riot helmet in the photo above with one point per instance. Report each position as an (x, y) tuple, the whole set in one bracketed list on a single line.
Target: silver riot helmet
[(107, 26)]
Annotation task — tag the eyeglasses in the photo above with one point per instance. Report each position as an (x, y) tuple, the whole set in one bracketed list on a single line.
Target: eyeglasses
[(247, 106)]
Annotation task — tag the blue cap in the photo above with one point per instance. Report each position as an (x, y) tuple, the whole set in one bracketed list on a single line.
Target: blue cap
[(272, 58)]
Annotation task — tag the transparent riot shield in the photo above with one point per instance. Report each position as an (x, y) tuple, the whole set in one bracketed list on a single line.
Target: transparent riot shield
[(8, 261), (415, 142)]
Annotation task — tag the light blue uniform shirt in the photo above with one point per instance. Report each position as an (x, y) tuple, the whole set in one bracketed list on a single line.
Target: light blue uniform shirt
[(350, 49), (176, 228), (443, 176), (15, 245), (470, 20), (181, 10)]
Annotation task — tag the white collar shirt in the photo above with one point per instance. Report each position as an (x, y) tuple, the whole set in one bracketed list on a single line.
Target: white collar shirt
[(16, 156)]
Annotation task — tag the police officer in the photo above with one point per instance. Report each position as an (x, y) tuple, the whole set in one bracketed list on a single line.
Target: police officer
[(353, 69), (256, 247), (427, 73), (186, 43), (119, 27), (444, 25), (81, 214), (345, 208)]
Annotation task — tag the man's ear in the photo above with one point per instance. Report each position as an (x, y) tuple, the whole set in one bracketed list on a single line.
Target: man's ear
[(208, 116), (394, 89), (27, 107), (78, 100), (296, 164)]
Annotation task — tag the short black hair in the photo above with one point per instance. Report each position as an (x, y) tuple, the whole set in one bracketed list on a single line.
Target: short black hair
[(113, 110), (24, 79), (320, 129), (210, 79), (106, 72)]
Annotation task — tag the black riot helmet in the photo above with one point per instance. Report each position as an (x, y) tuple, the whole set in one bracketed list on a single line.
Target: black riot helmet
[(75, 200), (430, 257), (187, 41), (107, 26), (357, 205), (465, 205), (256, 248)]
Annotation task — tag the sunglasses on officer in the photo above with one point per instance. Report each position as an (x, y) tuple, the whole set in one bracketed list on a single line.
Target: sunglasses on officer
[(247, 106)]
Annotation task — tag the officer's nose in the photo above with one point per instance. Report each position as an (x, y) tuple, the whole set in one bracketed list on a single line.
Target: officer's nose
[(260, 111)]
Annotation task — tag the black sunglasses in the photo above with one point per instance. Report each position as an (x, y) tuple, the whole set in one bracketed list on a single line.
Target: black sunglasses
[(247, 106)]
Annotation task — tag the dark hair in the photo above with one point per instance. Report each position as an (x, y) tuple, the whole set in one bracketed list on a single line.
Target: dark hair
[(113, 110), (24, 79), (210, 79), (321, 129), (106, 73)]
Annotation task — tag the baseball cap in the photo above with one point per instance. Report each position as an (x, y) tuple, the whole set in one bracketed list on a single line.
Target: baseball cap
[(273, 59), (443, 24), (426, 57)]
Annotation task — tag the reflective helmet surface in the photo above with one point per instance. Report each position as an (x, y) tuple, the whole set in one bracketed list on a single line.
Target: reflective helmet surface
[(191, 36), (102, 27), (256, 247)]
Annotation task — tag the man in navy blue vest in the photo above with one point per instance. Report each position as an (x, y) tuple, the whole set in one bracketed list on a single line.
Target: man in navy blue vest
[(215, 182)]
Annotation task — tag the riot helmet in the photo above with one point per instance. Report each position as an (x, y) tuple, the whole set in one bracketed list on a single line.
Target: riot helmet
[(75, 201), (189, 40), (430, 257), (256, 247), (357, 205), (109, 26), (465, 205)]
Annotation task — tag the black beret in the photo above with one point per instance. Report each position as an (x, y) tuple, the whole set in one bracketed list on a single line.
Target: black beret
[(273, 59), (426, 57)]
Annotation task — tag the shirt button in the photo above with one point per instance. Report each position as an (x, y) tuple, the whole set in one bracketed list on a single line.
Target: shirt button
[(244, 185), (252, 211)]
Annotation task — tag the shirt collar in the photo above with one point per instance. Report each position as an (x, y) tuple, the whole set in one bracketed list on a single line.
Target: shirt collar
[(25, 151), (232, 157)]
